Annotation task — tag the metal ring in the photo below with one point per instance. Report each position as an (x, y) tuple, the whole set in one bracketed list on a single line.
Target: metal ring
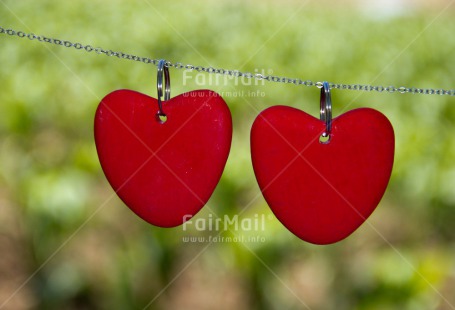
[(326, 108), (159, 85)]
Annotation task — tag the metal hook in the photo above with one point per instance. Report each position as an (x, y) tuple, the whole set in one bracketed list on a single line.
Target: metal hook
[(326, 108), (159, 84)]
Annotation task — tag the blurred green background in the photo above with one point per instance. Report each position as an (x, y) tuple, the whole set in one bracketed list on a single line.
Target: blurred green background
[(67, 242)]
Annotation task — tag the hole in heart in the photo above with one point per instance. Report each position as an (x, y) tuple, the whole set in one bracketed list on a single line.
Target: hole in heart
[(324, 138), (161, 118)]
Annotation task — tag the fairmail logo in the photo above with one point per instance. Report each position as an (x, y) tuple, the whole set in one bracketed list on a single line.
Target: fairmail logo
[(225, 223), (226, 77)]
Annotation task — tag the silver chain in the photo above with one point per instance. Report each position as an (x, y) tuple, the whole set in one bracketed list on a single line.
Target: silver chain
[(235, 73)]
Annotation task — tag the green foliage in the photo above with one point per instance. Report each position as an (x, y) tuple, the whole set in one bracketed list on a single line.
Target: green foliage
[(83, 249)]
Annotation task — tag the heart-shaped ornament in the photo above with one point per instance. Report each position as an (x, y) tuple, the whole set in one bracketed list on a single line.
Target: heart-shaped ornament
[(322, 192), (163, 171)]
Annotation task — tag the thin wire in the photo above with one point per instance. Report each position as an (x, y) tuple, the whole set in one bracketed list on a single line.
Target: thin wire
[(236, 73)]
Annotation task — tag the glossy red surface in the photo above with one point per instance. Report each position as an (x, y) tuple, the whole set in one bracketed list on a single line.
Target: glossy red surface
[(322, 192), (164, 172)]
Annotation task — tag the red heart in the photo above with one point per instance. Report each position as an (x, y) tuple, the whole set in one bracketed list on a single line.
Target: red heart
[(322, 192), (164, 172)]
